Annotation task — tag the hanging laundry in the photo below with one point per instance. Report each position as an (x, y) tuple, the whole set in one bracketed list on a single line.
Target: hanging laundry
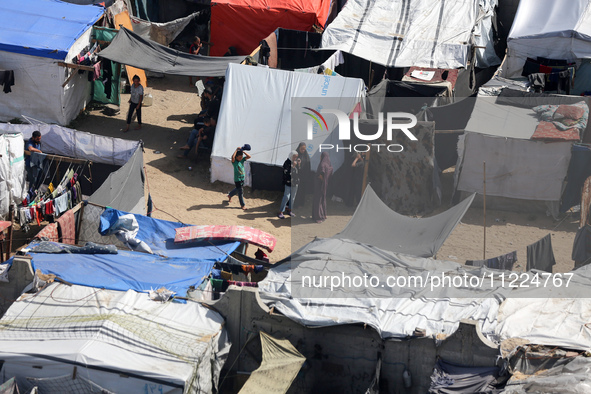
[(67, 228), (7, 79), (242, 284), (504, 262), (540, 255), (50, 232), (61, 204)]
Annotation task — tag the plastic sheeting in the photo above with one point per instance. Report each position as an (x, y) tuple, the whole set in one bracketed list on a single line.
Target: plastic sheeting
[(44, 28), (244, 23), (515, 168), (158, 234), (394, 311), (63, 141), (122, 341), (550, 29), (419, 33), (162, 33), (267, 118), (12, 172), (376, 224), (124, 188), (129, 270), (130, 49), (570, 378)]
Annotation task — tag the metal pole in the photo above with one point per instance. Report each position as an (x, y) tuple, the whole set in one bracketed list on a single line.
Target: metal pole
[(484, 207)]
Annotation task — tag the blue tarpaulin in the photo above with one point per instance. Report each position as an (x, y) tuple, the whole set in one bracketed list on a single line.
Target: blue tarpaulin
[(44, 28), (159, 235), (130, 270)]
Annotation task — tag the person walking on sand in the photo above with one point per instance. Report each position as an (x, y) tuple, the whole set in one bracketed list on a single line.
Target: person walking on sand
[(291, 181), (135, 102), (238, 159), (323, 174)]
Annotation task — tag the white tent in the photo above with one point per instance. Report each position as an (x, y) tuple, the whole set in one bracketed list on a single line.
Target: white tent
[(424, 33), (554, 29), (82, 339), (124, 189), (264, 119), (35, 37)]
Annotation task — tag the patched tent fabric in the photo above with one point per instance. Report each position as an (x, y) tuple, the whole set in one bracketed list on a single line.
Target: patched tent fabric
[(395, 311), (122, 342), (280, 366), (550, 29), (124, 188), (130, 49), (242, 24), (421, 33), (498, 133), (376, 224)]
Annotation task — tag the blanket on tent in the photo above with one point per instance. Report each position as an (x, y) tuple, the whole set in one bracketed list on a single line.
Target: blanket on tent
[(561, 122), (225, 233)]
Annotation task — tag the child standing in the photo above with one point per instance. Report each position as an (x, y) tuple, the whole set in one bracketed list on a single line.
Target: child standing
[(135, 102), (238, 159)]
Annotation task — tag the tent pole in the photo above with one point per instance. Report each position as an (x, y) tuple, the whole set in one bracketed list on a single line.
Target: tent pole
[(365, 172), (484, 207)]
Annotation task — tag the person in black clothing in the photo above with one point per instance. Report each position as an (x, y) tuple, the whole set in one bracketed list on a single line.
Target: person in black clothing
[(306, 186), (203, 135), (291, 180)]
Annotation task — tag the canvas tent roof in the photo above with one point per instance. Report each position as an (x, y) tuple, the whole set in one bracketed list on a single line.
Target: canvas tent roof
[(244, 23), (420, 33), (550, 29), (122, 342), (44, 28), (375, 223), (498, 133), (130, 49), (394, 311), (267, 118)]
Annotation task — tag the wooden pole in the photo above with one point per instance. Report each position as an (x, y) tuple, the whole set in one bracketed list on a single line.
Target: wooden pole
[(365, 172), (484, 207)]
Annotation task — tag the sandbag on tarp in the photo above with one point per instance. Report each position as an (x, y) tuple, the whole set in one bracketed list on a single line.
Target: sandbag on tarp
[(374, 223), (130, 49)]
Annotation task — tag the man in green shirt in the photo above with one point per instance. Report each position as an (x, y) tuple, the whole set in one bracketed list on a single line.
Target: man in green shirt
[(238, 159)]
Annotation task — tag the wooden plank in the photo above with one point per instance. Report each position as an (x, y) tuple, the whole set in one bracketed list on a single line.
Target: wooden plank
[(76, 66), (62, 158), (122, 19)]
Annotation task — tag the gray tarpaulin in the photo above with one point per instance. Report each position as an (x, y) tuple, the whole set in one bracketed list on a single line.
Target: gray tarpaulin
[(124, 188), (280, 366), (374, 223), (130, 49), (162, 33)]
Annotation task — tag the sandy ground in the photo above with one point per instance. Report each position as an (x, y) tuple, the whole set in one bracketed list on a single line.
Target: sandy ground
[(188, 195)]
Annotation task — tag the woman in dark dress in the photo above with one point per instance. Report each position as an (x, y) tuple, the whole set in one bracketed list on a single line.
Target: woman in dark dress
[(323, 174), (306, 185)]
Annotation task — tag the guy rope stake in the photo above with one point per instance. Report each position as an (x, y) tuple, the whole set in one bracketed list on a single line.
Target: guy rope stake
[(484, 207)]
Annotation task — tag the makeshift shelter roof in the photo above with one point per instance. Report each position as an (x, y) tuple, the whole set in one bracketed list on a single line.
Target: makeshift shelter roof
[(130, 49), (44, 28), (395, 311), (422, 33), (83, 339), (548, 29), (129, 270), (375, 223), (244, 23), (158, 234)]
